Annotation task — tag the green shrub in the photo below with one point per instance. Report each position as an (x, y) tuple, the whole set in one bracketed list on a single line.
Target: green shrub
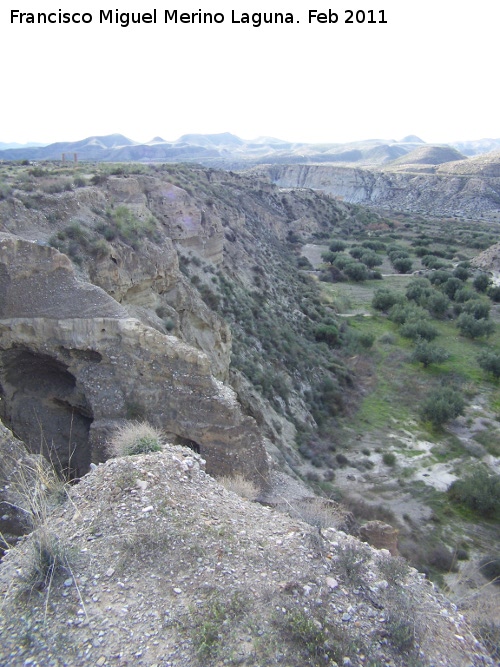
[(472, 328), (479, 490), (462, 273), (403, 264), (400, 626), (384, 299), (337, 246), (465, 294), (437, 304), (371, 259), (79, 181), (123, 224), (489, 361), (304, 264), (329, 257), (433, 262), (442, 405), (451, 286), (351, 560), (426, 353), (406, 312), (374, 245), (327, 333), (440, 277), (493, 293), (356, 252), (356, 271), (479, 308), (389, 458), (419, 290), (212, 620), (415, 329), (490, 568), (421, 251), (481, 282), (341, 260), (365, 339), (5, 191)]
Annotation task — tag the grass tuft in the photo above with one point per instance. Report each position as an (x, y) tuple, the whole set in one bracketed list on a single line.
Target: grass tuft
[(135, 438)]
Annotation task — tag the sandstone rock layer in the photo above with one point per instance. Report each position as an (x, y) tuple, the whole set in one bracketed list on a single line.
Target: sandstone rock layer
[(73, 363)]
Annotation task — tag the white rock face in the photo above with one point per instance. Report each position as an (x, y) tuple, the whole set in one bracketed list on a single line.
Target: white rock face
[(440, 192)]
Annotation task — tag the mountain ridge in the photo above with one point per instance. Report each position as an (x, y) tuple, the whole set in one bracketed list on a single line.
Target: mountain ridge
[(227, 150)]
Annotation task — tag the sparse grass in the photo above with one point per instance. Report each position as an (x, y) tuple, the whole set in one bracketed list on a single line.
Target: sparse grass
[(213, 620), (50, 556), (351, 561), (135, 438), (308, 636), (400, 626), (394, 569)]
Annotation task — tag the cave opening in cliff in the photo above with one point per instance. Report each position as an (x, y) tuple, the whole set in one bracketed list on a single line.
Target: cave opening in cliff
[(44, 406), (186, 442)]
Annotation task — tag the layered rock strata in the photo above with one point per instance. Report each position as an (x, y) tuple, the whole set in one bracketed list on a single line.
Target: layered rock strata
[(74, 363)]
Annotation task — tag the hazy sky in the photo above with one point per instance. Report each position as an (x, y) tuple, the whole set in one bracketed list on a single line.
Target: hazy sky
[(430, 71)]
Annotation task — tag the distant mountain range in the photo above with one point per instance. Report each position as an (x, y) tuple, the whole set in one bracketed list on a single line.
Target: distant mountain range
[(30, 144), (229, 151)]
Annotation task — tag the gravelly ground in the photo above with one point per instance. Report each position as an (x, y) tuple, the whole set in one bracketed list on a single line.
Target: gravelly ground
[(160, 565)]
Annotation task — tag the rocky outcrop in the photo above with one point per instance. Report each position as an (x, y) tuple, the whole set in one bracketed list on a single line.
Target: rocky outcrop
[(147, 280), (489, 261), (73, 362), (440, 192), (182, 221)]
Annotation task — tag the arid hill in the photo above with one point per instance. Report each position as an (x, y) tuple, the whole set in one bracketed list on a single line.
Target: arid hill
[(149, 561)]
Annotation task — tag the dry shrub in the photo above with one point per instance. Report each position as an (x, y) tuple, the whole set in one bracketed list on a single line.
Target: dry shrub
[(366, 511), (240, 485), (318, 512), (489, 634), (135, 438)]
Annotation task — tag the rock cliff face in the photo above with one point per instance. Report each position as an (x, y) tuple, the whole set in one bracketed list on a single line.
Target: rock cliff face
[(452, 189), (119, 299), (489, 260), (74, 363)]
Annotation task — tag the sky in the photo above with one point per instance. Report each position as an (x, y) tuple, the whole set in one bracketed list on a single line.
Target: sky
[(431, 71)]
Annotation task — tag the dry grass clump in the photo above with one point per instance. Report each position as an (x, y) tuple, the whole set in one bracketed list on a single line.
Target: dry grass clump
[(38, 489), (240, 485), (316, 512), (135, 438)]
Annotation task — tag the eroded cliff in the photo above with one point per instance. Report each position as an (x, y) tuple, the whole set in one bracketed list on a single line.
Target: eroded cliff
[(73, 363), (141, 293), (462, 188)]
